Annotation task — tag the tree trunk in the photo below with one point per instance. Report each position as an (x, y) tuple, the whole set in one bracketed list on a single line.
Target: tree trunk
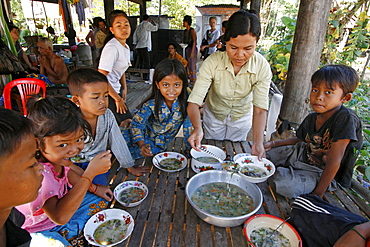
[(305, 58)]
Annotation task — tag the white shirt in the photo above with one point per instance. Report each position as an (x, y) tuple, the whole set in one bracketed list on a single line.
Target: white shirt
[(213, 37), (142, 36), (115, 59)]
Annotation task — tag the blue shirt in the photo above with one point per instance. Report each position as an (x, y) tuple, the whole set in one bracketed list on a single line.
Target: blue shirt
[(157, 131)]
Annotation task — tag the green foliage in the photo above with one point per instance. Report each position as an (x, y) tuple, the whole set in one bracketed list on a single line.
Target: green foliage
[(279, 53), (360, 104)]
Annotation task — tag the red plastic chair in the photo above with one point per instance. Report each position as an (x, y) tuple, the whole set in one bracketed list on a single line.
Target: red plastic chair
[(26, 88)]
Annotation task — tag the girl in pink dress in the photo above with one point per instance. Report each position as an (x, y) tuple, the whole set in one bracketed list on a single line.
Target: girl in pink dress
[(62, 207)]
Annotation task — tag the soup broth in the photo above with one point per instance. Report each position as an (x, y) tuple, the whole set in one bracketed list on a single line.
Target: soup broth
[(208, 160), (253, 171), (110, 232), (277, 240), (131, 195), (171, 163), (223, 199)]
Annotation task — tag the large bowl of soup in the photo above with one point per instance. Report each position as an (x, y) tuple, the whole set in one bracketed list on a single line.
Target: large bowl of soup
[(201, 161), (222, 198), (257, 227)]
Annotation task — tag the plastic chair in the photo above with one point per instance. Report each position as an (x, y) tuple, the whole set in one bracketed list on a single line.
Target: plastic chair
[(26, 88)]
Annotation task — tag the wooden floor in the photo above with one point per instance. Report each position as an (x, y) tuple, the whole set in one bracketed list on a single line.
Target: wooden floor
[(165, 218), (137, 92)]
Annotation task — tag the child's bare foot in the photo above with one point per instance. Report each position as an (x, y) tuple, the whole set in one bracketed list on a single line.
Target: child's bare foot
[(125, 123), (138, 171)]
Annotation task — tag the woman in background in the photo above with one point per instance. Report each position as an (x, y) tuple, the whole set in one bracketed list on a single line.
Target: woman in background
[(191, 51)]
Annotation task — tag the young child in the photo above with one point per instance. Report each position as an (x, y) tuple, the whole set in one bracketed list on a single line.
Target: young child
[(89, 90), (327, 140), (161, 117), (62, 207), (20, 175)]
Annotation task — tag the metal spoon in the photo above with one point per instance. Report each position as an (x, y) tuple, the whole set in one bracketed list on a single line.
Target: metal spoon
[(272, 234), (205, 150)]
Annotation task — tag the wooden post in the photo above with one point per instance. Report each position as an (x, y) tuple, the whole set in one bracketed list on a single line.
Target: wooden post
[(256, 6), (307, 47), (108, 7)]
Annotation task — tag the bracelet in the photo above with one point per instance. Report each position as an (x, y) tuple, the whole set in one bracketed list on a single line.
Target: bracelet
[(274, 144), (354, 229), (118, 100), (87, 179)]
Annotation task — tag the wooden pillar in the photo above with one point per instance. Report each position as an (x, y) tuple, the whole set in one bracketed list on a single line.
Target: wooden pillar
[(108, 7), (256, 6), (142, 10), (307, 47)]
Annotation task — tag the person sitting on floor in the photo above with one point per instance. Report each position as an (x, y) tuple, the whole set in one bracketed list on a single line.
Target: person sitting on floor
[(20, 175), (89, 90), (62, 207), (22, 56), (159, 120), (51, 65), (172, 54), (325, 147)]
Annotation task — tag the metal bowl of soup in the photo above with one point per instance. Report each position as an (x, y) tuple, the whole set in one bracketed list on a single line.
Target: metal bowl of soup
[(223, 198)]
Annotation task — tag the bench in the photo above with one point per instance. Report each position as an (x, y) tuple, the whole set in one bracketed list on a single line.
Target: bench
[(165, 218), (137, 70)]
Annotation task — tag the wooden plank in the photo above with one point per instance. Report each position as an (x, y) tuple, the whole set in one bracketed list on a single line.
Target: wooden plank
[(179, 207), (360, 203), (220, 236), (237, 236), (229, 150), (142, 215), (238, 148), (269, 204), (206, 237), (350, 206), (247, 147)]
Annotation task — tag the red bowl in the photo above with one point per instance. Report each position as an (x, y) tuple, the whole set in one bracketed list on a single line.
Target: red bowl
[(266, 220)]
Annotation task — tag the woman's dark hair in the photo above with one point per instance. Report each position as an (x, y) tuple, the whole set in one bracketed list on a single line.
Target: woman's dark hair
[(11, 26), (243, 22), (56, 116), (173, 44), (345, 76), (165, 68), (96, 21), (187, 18), (82, 76), (13, 129), (111, 17)]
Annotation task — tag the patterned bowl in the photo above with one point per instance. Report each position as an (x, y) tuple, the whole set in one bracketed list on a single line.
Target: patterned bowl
[(130, 193), (170, 161), (109, 227)]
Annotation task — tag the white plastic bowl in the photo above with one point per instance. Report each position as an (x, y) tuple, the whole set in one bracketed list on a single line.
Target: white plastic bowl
[(104, 216), (270, 221), (264, 164), (161, 156), (195, 164), (127, 185), (237, 156)]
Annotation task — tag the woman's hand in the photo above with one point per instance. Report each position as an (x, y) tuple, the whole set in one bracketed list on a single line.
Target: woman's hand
[(120, 106), (258, 150), (195, 138), (104, 192)]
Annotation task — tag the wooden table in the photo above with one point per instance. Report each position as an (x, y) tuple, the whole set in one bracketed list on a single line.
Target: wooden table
[(165, 218)]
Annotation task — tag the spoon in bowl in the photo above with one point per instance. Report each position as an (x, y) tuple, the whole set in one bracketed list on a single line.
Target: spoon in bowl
[(205, 150)]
